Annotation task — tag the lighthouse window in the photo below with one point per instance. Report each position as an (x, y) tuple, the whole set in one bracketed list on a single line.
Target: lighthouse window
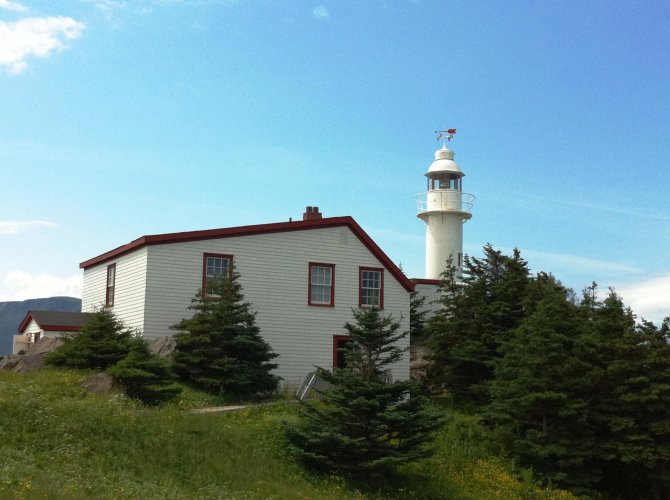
[(371, 289), (321, 284)]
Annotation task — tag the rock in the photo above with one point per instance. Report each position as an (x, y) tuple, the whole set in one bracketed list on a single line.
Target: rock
[(28, 363), (33, 359), (9, 362), (163, 347), (100, 383), (22, 363), (420, 353), (45, 345)]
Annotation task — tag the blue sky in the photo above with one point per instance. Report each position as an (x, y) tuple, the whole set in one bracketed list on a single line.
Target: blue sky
[(121, 118)]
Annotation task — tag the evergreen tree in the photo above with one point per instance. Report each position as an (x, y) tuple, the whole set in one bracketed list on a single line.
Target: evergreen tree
[(145, 376), (478, 311), (220, 348), (417, 316), (102, 342), (629, 391), (535, 408), (363, 425)]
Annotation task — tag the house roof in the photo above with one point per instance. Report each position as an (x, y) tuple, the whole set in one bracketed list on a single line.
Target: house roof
[(55, 320), (277, 227)]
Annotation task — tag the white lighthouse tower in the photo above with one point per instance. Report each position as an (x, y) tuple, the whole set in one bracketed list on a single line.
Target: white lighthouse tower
[(444, 208)]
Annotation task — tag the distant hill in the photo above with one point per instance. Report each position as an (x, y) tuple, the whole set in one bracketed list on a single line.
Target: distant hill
[(12, 313)]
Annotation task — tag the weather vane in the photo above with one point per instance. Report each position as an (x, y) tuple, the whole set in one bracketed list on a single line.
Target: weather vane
[(445, 135)]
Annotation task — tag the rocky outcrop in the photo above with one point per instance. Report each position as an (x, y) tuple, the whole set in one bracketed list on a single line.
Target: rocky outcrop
[(33, 359), (162, 347), (419, 359), (100, 383)]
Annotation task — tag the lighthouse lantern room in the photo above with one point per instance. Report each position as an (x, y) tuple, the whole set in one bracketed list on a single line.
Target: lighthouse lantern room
[(444, 208)]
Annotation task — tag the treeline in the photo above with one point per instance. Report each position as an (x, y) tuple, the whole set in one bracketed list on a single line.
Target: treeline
[(572, 387)]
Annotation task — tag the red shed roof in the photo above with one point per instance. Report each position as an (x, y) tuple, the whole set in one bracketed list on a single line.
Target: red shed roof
[(229, 232)]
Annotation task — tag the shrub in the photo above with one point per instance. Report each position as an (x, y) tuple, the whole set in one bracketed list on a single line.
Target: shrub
[(101, 343), (145, 376)]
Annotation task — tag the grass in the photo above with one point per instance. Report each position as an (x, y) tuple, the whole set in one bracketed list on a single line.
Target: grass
[(59, 441)]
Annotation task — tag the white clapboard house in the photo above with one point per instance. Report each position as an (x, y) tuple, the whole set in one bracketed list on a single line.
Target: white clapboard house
[(302, 277)]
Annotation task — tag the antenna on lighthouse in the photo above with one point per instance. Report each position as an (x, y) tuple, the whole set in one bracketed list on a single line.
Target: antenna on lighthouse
[(445, 135)]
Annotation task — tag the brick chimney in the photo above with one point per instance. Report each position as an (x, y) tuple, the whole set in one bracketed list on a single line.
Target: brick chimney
[(311, 213)]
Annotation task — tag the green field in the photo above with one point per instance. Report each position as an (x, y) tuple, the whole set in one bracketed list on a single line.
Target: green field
[(59, 441)]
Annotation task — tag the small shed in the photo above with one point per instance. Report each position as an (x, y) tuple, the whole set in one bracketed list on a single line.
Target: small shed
[(38, 324)]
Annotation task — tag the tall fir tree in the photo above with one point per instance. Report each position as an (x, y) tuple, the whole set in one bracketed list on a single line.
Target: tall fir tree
[(417, 316), (363, 425), (220, 348), (536, 410), (629, 391), (479, 309), (102, 342)]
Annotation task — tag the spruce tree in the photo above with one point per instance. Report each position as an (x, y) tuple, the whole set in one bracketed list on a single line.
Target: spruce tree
[(102, 342), (364, 425), (629, 391), (145, 376), (537, 409), (417, 316), (480, 307), (220, 348)]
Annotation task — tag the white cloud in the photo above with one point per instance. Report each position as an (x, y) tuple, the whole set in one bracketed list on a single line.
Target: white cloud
[(15, 227), (649, 299), (321, 12), (555, 262), (19, 285), (577, 262), (34, 36), (13, 6)]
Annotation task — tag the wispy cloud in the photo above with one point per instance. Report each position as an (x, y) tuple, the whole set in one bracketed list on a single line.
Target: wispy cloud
[(320, 12), (13, 6), (15, 227), (19, 285), (551, 262), (34, 37), (578, 262), (108, 7), (649, 299), (619, 210)]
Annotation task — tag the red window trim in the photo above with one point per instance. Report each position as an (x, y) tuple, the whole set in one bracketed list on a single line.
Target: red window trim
[(109, 297), (204, 265), (335, 339), (360, 286), (332, 284)]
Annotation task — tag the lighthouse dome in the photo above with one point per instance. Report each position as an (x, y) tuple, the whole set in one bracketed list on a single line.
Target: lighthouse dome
[(444, 162)]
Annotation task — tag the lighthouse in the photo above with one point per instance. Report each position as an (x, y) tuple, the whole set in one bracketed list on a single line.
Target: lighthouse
[(444, 207)]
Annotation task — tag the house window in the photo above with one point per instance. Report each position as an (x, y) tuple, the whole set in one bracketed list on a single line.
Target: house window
[(111, 283), (371, 287), (321, 284), (339, 358), (215, 266)]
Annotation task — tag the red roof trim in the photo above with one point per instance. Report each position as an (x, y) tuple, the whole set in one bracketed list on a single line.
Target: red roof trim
[(425, 281), (60, 328), (50, 328), (159, 239), (26, 321)]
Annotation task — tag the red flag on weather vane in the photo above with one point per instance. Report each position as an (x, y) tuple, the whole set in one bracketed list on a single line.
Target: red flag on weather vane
[(451, 131)]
